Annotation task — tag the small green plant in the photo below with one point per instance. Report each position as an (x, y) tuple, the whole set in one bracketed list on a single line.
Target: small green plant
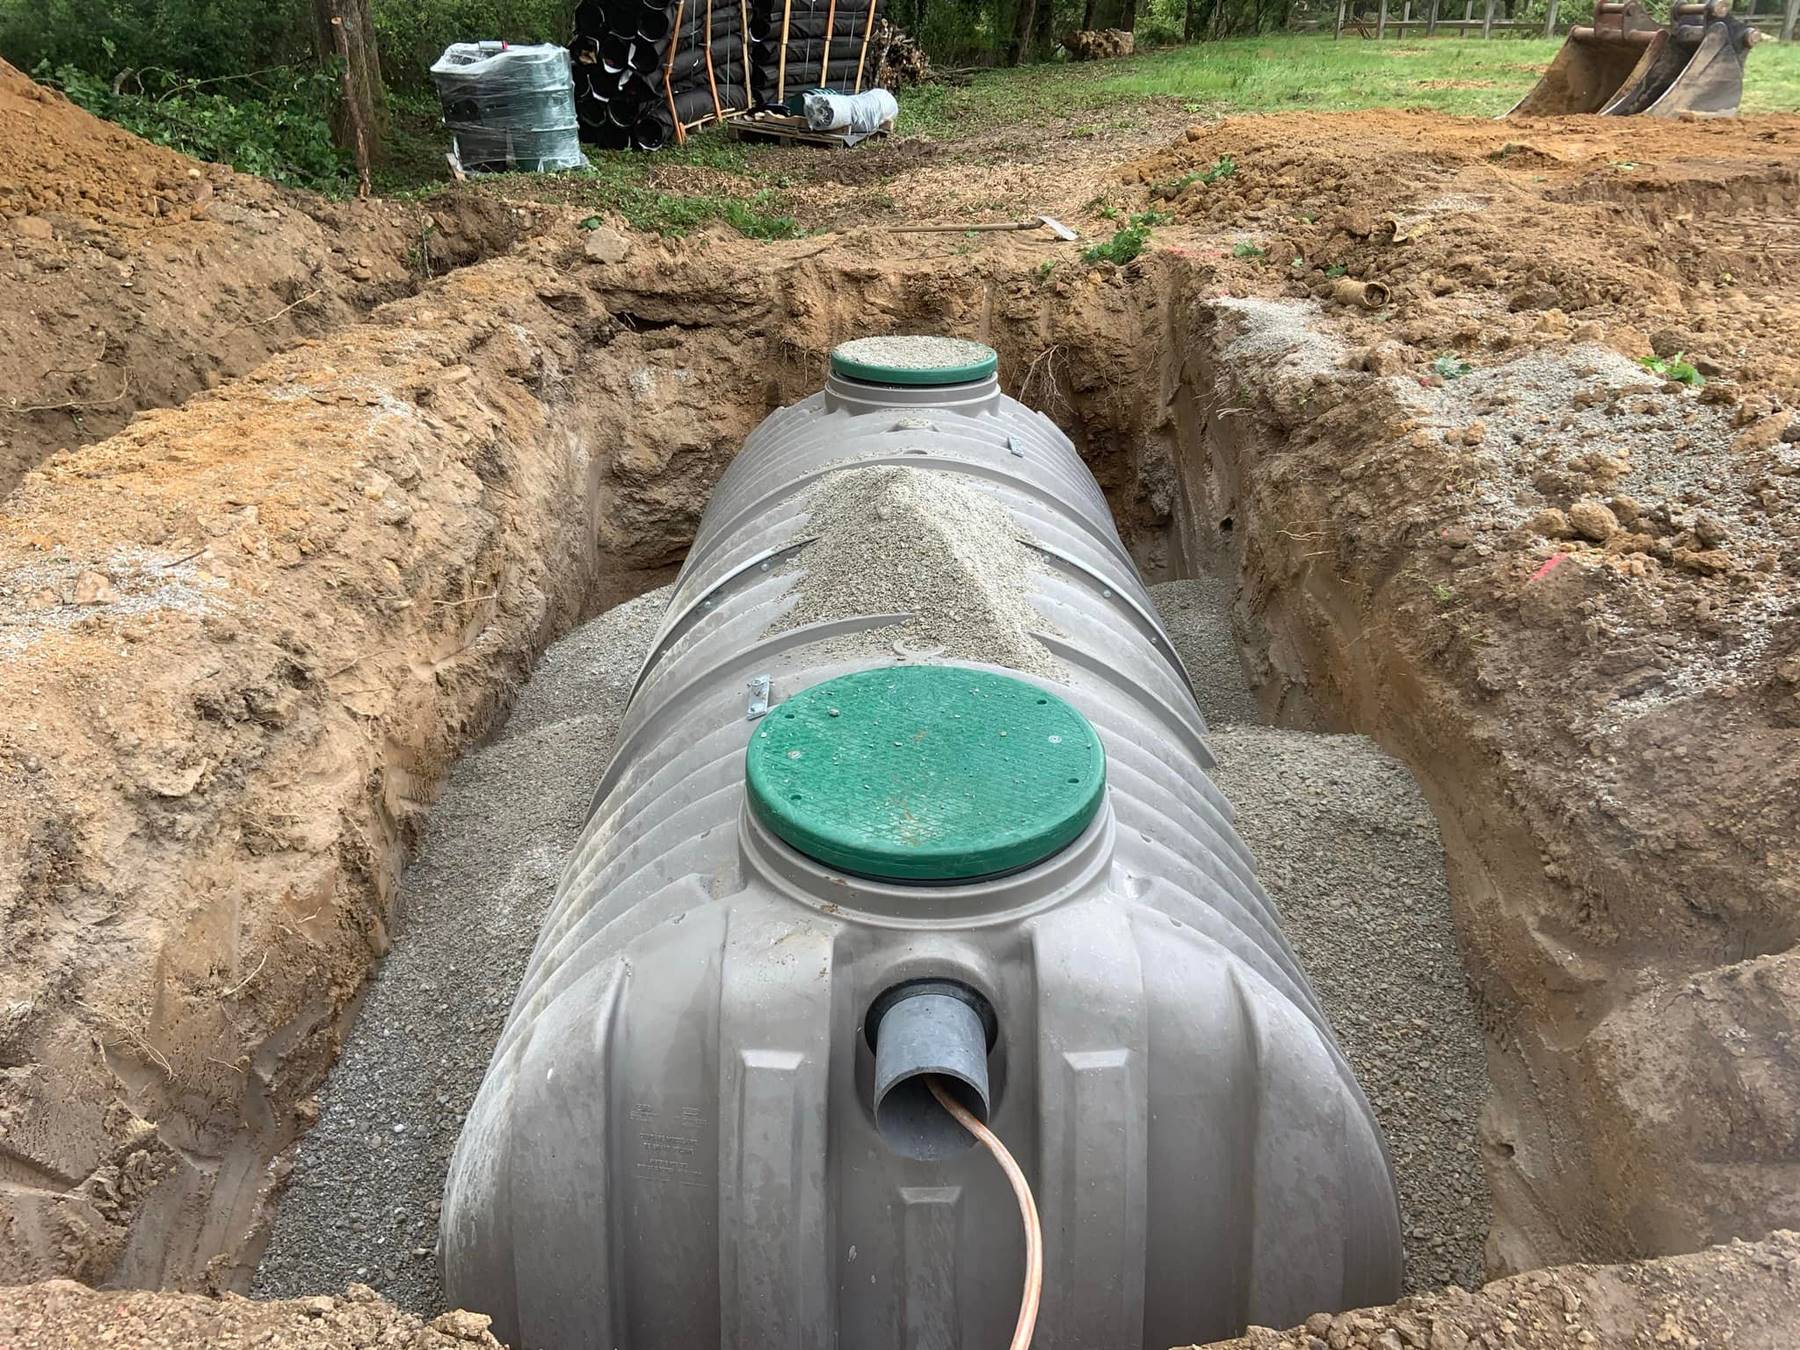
[(1248, 251), (1125, 245), (1109, 213), (1451, 367), (1442, 593), (1044, 269), (1676, 367), (1336, 270), (1144, 220), (1173, 187)]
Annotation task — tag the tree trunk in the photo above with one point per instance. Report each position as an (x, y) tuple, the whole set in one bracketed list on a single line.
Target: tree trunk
[(363, 109), (1087, 15), (1190, 21), (1024, 12), (1128, 20), (1043, 38)]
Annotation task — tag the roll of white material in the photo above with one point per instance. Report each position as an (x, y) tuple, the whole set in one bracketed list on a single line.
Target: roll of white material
[(859, 114)]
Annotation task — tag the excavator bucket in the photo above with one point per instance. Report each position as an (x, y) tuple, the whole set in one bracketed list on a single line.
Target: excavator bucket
[(1627, 63)]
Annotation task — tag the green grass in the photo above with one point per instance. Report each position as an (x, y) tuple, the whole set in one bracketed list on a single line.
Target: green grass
[(1278, 74), (615, 181)]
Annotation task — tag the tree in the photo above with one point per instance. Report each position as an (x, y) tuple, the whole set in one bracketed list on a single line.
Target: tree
[(1024, 12), (344, 30)]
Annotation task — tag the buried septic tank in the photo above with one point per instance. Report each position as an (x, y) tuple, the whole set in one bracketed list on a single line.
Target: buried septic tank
[(929, 542)]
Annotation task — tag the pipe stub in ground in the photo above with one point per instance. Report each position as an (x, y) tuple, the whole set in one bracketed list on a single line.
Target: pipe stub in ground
[(913, 360), (920, 1030)]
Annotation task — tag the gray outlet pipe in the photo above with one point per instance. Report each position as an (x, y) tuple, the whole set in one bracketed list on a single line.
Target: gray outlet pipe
[(919, 1030)]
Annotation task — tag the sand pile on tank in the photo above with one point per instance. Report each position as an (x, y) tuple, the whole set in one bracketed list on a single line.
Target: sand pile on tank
[(913, 541)]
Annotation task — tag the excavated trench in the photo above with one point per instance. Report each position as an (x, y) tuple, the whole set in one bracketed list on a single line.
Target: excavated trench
[(482, 467)]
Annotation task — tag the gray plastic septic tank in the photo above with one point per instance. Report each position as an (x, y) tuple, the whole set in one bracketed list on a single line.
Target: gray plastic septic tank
[(911, 783)]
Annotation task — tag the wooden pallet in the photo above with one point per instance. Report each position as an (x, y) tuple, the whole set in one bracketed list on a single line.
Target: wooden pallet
[(784, 128)]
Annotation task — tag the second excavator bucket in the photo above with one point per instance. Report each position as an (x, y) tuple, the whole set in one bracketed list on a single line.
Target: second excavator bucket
[(1627, 63)]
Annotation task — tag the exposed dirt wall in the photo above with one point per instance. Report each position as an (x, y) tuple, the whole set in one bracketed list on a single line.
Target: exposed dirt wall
[(1631, 950), (132, 277), (243, 640)]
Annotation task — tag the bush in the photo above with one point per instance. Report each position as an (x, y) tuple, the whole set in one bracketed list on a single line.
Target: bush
[(278, 128), (195, 38)]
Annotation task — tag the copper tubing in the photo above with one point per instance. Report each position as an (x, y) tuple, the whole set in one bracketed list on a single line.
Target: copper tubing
[(1034, 1230)]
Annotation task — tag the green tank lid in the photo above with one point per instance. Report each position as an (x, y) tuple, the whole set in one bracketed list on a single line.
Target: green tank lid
[(925, 773), (913, 360)]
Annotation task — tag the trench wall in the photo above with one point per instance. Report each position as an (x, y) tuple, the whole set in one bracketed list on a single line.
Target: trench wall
[(248, 636)]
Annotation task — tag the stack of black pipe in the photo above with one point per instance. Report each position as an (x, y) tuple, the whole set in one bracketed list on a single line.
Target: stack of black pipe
[(811, 44), (642, 65), (710, 75)]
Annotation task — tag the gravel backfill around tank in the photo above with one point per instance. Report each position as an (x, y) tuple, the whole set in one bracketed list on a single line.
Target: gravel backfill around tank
[(1345, 842)]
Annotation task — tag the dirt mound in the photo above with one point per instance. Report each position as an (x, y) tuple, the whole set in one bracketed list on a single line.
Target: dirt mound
[(1670, 235), (57, 158), (62, 1315), (1741, 1295), (131, 276)]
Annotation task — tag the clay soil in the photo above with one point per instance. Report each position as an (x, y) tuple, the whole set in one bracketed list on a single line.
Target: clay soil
[(244, 637), (132, 277)]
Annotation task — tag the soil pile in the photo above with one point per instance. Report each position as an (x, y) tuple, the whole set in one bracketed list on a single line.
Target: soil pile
[(1654, 236), (132, 277), (61, 1315), (1741, 1295)]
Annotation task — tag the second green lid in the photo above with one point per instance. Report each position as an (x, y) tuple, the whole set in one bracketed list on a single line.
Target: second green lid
[(913, 360), (925, 773)]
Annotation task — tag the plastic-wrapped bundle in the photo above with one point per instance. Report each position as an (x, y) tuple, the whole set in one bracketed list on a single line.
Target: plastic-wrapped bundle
[(509, 107)]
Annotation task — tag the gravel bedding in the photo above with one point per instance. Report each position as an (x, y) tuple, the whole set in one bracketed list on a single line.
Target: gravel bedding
[(1347, 847), (363, 1200), (897, 540), (1350, 852)]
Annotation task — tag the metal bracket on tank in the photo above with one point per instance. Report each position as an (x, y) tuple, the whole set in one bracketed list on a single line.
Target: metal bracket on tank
[(758, 686)]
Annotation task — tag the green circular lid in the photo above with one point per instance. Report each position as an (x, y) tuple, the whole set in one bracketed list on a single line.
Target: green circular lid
[(913, 360), (925, 773)]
